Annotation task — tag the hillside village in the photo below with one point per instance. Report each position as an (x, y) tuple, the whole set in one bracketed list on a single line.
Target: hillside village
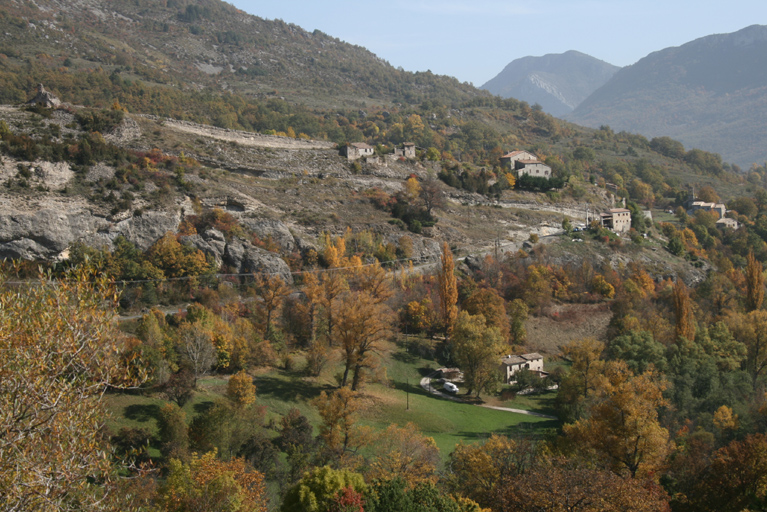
[(252, 268)]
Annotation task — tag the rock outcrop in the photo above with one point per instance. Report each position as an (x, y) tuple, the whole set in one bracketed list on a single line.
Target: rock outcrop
[(44, 98)]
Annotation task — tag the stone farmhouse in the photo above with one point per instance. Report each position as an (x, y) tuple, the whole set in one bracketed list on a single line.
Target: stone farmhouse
[(512, 364), (616, 219), (525, 162), (719, 208), (727, 223), (357, 150), (406, 151)]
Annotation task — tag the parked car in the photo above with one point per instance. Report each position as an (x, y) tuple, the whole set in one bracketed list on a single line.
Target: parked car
[(450, 387)]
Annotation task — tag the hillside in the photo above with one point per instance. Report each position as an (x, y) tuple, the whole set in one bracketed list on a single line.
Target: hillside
[(557, 82), (709, 94), (201, 46)]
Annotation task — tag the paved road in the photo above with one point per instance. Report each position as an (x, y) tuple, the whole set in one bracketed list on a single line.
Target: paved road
[(426, 385)]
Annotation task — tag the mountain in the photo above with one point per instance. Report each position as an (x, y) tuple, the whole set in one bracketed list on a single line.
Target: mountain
[(205, 45), (710, 93), (557, 82)]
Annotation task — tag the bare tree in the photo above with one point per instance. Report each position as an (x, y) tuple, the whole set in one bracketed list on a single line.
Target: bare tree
[(197, 344)]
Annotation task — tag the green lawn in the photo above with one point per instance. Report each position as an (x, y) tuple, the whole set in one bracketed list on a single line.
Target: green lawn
[(386, 403)]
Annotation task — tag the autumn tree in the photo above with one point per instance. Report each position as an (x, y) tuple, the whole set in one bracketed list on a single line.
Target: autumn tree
[(206, 483), (561, 485), (622, 426), (685, 321), (403, 452), (172, 431), (241, 390), (59, 353), (197, 346), (362, 325), (476, 348), (479, 470), (317, 489), (487, 302), (339, 431), (448, 289), (751, 330), (583, 377), (735, 479), (272, 291), (754, 283)]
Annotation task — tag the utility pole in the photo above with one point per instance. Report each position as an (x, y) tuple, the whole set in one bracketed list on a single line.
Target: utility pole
[(407, 394)]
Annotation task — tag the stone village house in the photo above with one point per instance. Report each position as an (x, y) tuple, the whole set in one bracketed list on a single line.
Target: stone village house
[(357, 150), (525, 162), (512, 364)]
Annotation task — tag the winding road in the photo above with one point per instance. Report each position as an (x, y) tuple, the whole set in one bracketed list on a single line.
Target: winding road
[(426, 385)]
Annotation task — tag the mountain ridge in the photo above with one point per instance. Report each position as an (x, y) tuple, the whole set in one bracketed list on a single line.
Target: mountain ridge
[(558, 82), (708, 93)]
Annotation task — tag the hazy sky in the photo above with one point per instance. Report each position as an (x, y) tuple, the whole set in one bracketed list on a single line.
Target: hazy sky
[(474, 40)]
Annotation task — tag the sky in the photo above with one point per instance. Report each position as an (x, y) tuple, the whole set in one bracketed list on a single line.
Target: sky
[(474, 40)]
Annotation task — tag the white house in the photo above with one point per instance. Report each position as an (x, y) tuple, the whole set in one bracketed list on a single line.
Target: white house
[(525, 162), (512, 364)]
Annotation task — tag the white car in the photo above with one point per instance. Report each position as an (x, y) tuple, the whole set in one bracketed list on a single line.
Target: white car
[(450, 387)]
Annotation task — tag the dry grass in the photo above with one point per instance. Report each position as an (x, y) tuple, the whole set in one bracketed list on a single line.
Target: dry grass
[(548, 333)]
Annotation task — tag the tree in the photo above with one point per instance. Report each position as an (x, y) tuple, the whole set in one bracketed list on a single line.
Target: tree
[(583, 378), (59, 352), (362, 325), (431, 194), (272, 290), (478, 470), (639, 350), (403, 452), (735, 480), (339, 431), (751, 330), (564, 486), (173, 432), (622, 426), (448, 289), (518, 312), (197, 345), (241, 390), (487, 302), (317, 490), (685, 321), (476, 348), (754, 283), (206, 483)]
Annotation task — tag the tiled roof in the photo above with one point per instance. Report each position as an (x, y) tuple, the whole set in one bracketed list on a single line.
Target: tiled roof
[(511, 359), (532, 356)]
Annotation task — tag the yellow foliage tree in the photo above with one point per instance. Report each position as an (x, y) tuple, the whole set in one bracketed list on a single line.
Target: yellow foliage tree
[(622, 426), (448, 289), (754, 283), (207, 483), (403, 452), (59, 352), (240, 389)]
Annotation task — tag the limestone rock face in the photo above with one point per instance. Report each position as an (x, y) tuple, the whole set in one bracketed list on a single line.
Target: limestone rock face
[(264, 228), (47, 232), (246, 257)]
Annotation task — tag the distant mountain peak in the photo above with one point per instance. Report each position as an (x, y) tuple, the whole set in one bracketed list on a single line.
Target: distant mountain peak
[(709, 93), (556, 81)]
